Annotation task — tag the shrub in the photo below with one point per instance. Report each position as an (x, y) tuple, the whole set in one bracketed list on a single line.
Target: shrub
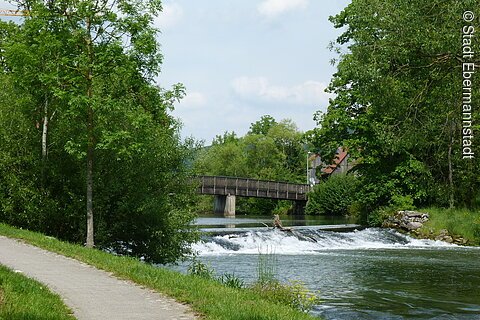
[(232, 281), (333, 196), (200, 269), (398, 202), (377, 216), (293, 293)]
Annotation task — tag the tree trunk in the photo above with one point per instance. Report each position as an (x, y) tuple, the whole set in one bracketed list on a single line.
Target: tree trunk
[(90, 241), (90, 148), (45, 131), (44, 141)]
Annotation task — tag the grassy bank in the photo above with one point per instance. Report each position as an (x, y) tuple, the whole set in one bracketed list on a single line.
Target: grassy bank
[(24, 298), (208, 298), (458, 222)]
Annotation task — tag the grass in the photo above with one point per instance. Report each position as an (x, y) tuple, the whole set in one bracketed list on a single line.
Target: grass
[(208, 298), (24, 298), (459, 222)]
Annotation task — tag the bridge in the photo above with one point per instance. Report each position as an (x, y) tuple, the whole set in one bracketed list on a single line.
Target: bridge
[(226, 189)]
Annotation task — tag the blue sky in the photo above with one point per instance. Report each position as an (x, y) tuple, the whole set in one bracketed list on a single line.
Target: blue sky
[(242, 59)]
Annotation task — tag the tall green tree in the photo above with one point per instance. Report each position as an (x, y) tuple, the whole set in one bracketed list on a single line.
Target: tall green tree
[(398, 103), (96, 30), (263, 125), (111, 140)]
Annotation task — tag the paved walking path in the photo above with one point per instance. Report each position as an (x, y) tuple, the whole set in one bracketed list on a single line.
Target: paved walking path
[(91, 293)]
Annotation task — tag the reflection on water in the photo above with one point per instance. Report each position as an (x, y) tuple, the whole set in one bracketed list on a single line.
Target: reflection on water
[(368, 274)]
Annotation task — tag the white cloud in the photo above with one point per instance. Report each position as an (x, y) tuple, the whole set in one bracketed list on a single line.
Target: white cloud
[(193, 100), (307, 93), (171, 14), (6, 5), (272, 8)]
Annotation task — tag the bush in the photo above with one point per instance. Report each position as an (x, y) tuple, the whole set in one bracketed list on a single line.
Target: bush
[(333, 196), (377, 216), (397, 203), (293, 293), (200, 269), (231, 280)]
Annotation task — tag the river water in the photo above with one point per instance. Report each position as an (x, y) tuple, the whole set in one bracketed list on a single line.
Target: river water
[(362, 274)]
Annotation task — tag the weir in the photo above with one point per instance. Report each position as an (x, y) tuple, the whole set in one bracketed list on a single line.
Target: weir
[(236, 231), (365, 274), (306, 240)]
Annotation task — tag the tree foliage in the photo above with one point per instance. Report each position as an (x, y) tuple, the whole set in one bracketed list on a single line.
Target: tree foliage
[(271, 150), (82, 74), (398, 101), (333, 196)]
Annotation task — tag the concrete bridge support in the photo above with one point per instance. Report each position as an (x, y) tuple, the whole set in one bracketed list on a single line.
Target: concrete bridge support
[(299, 207), (224, 205)]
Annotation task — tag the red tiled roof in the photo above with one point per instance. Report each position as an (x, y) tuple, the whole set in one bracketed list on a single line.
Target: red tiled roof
[(336, 161)]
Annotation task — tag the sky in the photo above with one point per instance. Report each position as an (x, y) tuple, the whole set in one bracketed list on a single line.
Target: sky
[(242, 59)]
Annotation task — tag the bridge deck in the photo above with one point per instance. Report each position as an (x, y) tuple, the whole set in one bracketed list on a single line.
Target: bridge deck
[(245, 187)]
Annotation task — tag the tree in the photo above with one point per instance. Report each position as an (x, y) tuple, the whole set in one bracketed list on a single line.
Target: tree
[(263, 125), (109, 125), (96, 29), (398, 100), (271, 150), (333, 196)]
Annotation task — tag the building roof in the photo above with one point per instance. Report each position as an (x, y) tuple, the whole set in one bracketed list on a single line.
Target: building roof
[(339, 157)]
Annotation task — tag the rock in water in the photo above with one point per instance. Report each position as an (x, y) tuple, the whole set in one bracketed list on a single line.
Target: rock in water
[(406, 220)]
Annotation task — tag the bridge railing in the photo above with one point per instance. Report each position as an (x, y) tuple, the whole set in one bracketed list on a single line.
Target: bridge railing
[(218, 185)]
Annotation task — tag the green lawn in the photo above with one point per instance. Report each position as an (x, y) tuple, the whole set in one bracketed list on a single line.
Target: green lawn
[(24, 298), (209, 298), (458, 222)]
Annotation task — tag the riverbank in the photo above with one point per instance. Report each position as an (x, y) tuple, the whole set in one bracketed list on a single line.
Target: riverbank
[(458, 223), (209, 299), (372, 273), (459, 226)]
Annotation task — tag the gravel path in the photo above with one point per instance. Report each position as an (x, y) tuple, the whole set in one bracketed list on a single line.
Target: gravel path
[(91, 293)]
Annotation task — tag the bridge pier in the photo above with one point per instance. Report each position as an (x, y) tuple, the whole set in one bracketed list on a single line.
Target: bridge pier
[(224, 205), (299, 207)]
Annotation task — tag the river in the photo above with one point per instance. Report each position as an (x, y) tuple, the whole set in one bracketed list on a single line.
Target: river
[(362, 274)]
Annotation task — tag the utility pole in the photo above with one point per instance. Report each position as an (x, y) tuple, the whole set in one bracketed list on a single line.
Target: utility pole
[(308, 167)]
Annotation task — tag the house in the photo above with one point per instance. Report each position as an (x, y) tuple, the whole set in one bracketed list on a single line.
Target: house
[(341, 164)]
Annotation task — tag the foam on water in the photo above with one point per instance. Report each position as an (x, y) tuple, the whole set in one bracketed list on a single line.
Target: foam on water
[(309, 242)]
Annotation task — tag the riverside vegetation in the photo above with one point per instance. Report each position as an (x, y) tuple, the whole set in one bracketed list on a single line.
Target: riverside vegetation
[(396, 108), (79, 105), (271, 150), (293, 294), (90, 152), (208, 297)]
